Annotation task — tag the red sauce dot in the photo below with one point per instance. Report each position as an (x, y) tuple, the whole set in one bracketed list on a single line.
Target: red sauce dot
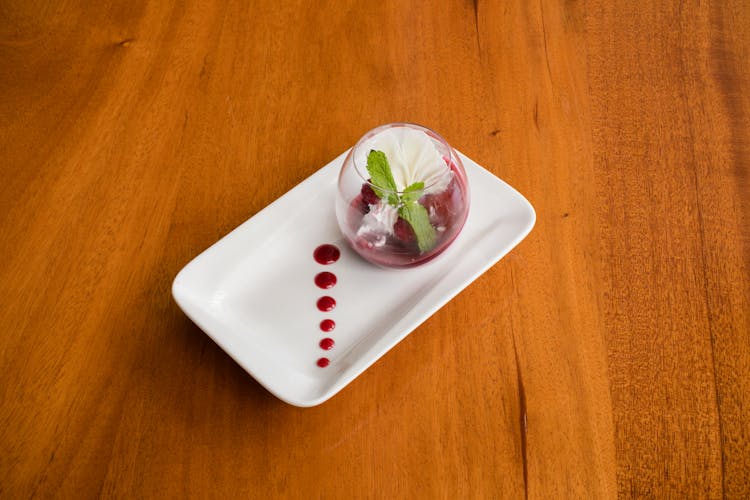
[(323, 362), (327, 325), (326, 303), (326, 254), (325, 280), (327, 344)]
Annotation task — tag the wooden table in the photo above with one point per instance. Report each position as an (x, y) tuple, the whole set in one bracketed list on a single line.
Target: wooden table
[(608, 354)]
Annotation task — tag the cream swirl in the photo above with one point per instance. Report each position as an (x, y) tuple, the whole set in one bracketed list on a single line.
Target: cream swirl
[(412, 156)]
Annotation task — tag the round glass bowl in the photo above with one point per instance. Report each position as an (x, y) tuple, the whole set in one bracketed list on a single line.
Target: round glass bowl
[(402, 195)]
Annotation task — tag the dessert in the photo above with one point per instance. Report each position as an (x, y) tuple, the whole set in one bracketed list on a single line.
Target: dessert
[(403, 196)]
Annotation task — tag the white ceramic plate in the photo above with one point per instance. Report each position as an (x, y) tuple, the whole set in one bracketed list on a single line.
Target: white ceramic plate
[(253, 292)]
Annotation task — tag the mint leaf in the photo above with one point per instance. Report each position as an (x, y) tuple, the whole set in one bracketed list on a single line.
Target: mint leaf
[(413, 192), (419, 220), (381, 179), (381, 176)]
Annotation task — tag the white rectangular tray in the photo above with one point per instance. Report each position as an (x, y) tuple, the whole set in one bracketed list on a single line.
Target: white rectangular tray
[(253, 293)]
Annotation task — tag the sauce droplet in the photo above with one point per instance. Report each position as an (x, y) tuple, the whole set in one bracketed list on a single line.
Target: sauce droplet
[(327, 344), (326, 254), (327, 325), (325, 280), (323, 362), (326, 303)]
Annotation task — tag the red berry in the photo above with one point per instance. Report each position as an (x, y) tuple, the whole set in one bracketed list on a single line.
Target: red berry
[(368, 195), (403, 231), (360, 205), (443, 206)]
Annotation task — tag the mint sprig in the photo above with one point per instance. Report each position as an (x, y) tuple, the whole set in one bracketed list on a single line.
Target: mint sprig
[(413, 192), (407, 204), (381, 176), (419, 220)]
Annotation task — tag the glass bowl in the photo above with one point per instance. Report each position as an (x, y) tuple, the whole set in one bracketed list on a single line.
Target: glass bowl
[(402, 195)]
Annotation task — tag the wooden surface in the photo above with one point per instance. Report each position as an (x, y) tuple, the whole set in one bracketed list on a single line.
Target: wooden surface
[(608, 355)]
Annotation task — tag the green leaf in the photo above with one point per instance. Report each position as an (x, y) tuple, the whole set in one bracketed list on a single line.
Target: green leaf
[(412, 212), (381, 176), (413, 192), (419, 220)]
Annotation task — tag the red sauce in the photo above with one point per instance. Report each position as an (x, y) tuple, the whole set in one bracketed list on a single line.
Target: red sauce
[(326, 254), (326, 303), (325, 280)]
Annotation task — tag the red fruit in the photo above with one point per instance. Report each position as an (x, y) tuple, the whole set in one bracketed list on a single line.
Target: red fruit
[(403, 231), (368, 195), (360, 205), (443, 206)]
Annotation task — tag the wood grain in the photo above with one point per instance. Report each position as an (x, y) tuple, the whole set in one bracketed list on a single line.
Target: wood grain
[(608, 355)]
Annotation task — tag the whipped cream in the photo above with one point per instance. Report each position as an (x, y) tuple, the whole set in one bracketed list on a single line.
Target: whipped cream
[(412, 156), (378, 223)]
